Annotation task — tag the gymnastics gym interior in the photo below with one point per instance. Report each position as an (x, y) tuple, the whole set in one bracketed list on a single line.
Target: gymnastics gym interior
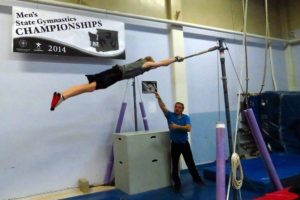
[(233, 64)]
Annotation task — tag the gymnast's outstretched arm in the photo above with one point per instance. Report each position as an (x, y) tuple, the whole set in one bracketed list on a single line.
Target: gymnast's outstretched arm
[(162, 63)]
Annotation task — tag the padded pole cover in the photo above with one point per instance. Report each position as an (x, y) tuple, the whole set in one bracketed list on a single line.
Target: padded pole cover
[(144, 116), (121, 117), (110, 164), (220, 134), (262, 148)]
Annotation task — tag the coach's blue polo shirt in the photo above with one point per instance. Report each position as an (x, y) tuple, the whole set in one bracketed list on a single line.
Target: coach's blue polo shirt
[(178, 136)]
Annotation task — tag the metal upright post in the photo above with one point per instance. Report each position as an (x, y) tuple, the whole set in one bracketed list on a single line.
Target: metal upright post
[(226, 100), (225, 89), (134, 105)]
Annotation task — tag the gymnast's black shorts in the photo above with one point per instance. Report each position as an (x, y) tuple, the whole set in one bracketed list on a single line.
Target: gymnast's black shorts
[(106, 78)]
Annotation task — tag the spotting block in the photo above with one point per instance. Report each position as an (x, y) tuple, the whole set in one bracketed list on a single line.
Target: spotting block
[(141, 161)]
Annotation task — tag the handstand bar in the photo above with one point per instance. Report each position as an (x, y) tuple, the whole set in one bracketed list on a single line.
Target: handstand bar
[(202, 52)]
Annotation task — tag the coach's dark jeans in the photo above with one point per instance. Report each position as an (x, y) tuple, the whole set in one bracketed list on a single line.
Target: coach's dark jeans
[(185, 150)]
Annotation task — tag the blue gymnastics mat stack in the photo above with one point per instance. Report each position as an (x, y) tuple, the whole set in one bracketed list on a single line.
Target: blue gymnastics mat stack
[(280, 120), (255, 174)]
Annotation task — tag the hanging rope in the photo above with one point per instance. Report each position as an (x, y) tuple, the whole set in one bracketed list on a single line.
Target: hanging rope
[(266, 54), (236, 176), (237, 171), (234, 68), (265, 65), (236, 167), (245, 9), (270, 47)]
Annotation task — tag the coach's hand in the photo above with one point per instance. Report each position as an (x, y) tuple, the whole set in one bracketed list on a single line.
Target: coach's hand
[(173, 126)]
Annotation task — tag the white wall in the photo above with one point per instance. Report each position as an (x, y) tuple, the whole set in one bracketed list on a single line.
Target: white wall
[(43, 151)]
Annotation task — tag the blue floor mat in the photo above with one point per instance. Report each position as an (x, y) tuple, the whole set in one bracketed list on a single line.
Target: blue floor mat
[(255, 173), (189, 191)]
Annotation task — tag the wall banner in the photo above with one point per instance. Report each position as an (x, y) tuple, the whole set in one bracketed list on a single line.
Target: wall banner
[(44, 32)]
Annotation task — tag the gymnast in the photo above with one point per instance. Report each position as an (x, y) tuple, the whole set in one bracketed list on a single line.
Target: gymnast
[(107, 78)]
